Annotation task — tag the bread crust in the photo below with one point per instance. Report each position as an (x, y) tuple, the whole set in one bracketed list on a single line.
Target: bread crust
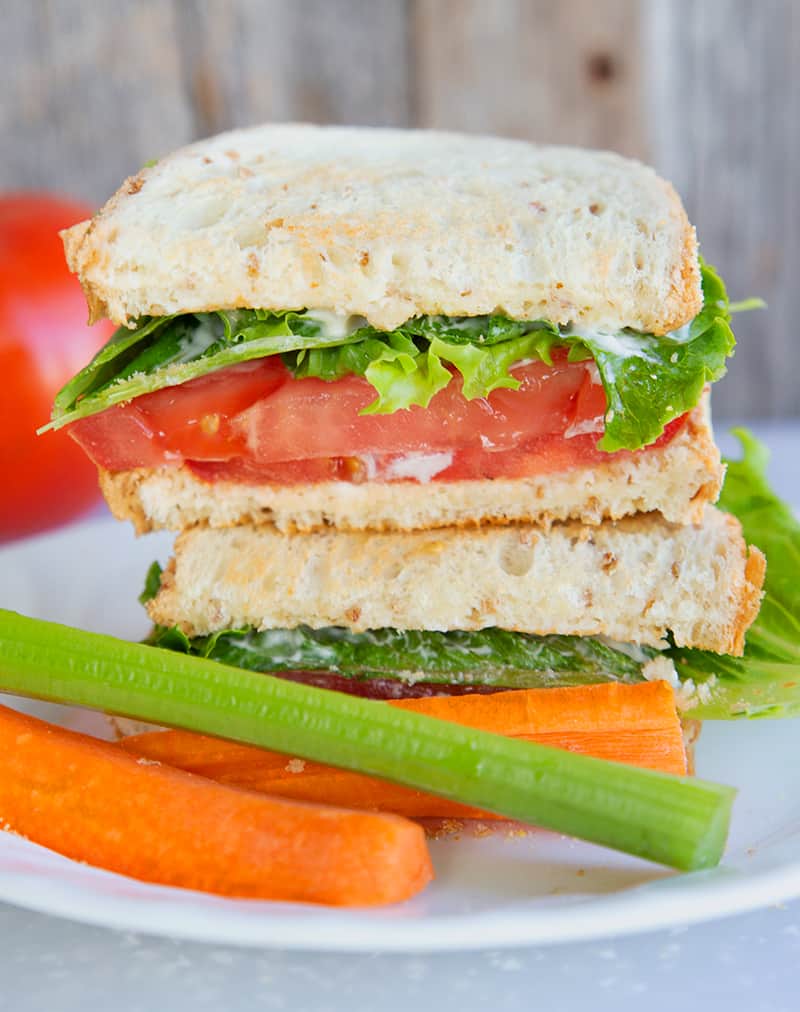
[(678, 480), (631, 580), (691, 730), (392, 224)]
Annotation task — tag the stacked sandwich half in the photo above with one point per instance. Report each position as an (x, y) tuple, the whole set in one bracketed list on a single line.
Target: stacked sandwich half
[(425, 409)]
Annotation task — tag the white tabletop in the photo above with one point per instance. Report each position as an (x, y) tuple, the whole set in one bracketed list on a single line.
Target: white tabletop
[(751, 962)]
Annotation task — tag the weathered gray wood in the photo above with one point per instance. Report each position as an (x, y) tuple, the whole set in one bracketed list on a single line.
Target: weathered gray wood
[(566, 72), (91, 91), (312, 60), (88, 93), (724, 116)]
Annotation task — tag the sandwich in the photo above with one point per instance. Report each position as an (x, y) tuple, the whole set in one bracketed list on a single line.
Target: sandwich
[(428, 412)]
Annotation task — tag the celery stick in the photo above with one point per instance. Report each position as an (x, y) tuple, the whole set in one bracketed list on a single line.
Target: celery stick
[(676, 821)]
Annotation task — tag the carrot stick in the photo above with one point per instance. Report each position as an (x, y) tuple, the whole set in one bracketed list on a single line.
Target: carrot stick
[(635, 724), (283, 776), (95, 802)]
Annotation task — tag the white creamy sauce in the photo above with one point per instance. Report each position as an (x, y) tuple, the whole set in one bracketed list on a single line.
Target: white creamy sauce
[(594, 373), (588, 425), (621, 345), (370, 465), (195, 341), (333, 325), (682, 335), (632, 650), (421, 467)]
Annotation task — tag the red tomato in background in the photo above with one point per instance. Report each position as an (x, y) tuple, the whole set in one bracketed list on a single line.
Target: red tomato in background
[(44, 340)]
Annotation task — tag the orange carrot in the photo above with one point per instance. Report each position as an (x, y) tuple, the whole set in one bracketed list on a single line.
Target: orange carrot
[(636, 724), (95, 802), (282, 776)]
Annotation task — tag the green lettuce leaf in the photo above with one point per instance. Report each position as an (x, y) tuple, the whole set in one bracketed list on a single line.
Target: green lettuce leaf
[(765, 682), (651, 380), (152, 583), (648, 380), (493, 657)]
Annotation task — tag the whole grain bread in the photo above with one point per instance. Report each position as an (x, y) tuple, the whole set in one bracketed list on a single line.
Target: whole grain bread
[(677, 480), (631, 580), (392, 224)]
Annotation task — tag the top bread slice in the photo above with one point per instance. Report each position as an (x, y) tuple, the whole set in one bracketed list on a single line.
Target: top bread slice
[(389, 225)]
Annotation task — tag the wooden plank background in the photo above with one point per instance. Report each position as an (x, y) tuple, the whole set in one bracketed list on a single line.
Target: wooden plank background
[(708, 91)]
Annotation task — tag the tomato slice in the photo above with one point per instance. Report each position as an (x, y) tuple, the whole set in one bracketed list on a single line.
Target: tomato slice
[(192, 421), (255, 423), (312, 418)]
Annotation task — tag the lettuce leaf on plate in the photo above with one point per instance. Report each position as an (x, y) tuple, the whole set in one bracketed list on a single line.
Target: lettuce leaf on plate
[(765, 682), (648, 380)]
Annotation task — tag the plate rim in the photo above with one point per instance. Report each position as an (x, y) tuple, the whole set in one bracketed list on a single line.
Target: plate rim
[(262, 924)]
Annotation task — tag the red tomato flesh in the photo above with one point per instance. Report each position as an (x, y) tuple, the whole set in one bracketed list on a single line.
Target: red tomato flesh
[(255, 423)]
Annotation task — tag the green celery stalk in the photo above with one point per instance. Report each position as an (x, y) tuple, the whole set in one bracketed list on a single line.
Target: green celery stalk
[(676, 821)]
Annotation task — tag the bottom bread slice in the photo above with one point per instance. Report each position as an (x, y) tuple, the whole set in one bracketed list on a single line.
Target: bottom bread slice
[(631, 580)]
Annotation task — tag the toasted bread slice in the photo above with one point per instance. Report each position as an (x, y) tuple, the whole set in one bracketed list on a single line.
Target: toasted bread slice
[(631, 580), (677, 480), (392, 224)]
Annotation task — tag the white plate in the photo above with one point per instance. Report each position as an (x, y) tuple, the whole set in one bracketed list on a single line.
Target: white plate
[(489, 891)]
